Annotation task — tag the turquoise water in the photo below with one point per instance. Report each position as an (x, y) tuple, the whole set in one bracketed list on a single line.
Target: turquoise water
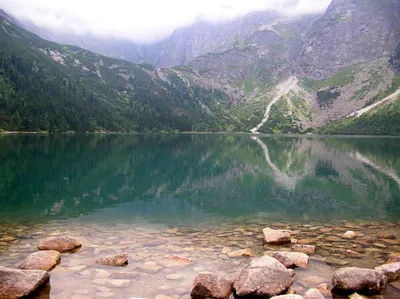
[(188, 178), (197, 197)]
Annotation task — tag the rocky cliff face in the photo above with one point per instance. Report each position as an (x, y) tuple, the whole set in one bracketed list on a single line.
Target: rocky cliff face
[(350, 32), (395, 59), (264, 58), (184, 45)]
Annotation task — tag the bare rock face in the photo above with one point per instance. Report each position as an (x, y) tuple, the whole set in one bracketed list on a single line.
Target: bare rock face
[(21, 283), (350, 32), (353, 279), (208, 285), (276, 237), (292, 259), (392, 271), (41, 260), (60, 244), (264, 276), (114, 260), (307, 249), (313, 294), (395, 59)]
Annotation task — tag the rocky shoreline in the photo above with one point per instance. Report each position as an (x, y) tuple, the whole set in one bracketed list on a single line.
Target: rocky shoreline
[(267, 275)]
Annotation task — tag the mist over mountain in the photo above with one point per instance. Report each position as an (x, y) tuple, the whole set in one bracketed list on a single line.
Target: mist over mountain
[(265, 72)]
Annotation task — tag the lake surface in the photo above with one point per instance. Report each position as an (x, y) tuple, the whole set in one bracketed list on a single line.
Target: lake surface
[(197, 197)]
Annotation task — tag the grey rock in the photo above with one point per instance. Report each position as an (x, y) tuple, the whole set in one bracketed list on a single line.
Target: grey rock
[(41, 260), (114, 260), (307, 249), (350, 32), (276, 237), (20, 283), (264, 276), (208, 285), (361, 280), (392, 271), (395, 59), (292, 259), (60, 244), (313, 294)]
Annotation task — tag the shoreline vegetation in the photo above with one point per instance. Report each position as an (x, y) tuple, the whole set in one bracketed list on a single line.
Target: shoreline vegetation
[(44, 133)]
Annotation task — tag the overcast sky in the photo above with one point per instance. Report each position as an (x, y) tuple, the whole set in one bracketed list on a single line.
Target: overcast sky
[(143, 20)]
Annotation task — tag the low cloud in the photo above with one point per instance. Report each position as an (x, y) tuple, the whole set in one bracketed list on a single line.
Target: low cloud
[(142, 21)]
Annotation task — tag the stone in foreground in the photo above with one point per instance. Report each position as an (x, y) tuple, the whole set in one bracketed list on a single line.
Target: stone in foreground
[(20, 283), (392, 271), (276, 237), (289, 296), (41, 260), (307, 249), (114, 260), (208, 285), (365, 281), (60, 244), (264, 276), (292, 259), (313, 294)]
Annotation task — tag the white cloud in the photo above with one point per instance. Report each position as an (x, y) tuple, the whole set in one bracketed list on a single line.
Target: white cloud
[(142, 20)]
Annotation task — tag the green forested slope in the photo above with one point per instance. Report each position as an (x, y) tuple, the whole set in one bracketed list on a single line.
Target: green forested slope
[(47, 86), (383, 120)]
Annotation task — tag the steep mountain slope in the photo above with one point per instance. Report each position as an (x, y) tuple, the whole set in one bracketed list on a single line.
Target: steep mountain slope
[(46, 86), (350, 32), (182, 47), (262, 73), (341, 58), (395, 59)]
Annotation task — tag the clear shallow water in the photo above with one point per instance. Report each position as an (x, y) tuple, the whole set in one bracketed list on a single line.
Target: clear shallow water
[(201, 195)]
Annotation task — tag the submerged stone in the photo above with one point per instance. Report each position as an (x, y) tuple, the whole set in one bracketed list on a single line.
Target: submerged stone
[(287, 296), (42, 260), (241, 253), (357, 296), (393, 258), (307, 249), (292, 259), (7, 238), (60, 244), (114, 260), (313, 294), (276, 237), (349, 235), (353, 279)]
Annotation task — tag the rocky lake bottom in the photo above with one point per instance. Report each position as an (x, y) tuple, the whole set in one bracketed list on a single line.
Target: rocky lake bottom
[(164, 260), (181, 204)]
